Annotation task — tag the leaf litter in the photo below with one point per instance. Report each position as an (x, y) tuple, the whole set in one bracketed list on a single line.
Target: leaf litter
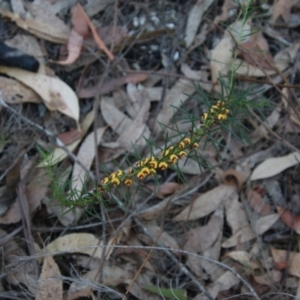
[(124, 69)]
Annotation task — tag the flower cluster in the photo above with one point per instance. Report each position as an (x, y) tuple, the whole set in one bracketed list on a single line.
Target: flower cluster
[(169, 156)]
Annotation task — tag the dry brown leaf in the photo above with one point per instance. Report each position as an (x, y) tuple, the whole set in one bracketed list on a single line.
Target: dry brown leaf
[(232, 176), (97, 39), (130, 131), (15, 92), (223, 283), (55, 93), (59, 154), (194, 20), (256, 52), (79, 22), (247, 233), (207, 203), (282, 61), (258, 203), (283, 8), (79, 243), (112, 276), (46, 26), (242, 257), (201, 238), (164, 189), (86, 156), (235, 214), (289, 219), (269, 278), (176, 97), (111, 85), (275, 165), (161, 236), (69, 137), (227, 6), (243, 235), (292, 259), (50, 285)]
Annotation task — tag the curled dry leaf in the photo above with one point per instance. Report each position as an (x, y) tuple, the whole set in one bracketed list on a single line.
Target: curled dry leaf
[(292, 259), (207, 203), (86, 156), (50, 285), (275, 165), (55, 93), (289, 219), (232, 176)]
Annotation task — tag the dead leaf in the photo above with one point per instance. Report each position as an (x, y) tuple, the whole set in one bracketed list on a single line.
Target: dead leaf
[(111, 85), (59, 154), (291, 258), (49, 285), (227, 6), (55, 93), (164, 189), (15, 92), (232, 176), (242, 257), (194, 20), (289, 219), (86, 156), (247, 233), (161, 236), (243, 235), (177, 96), (79, 243), (258, 203), (69, 137), (78, 20), (235, 214), (207, 203), (223, 283), (283, 8), (45, 25), (97, 39), (282, 61), (275, 165)]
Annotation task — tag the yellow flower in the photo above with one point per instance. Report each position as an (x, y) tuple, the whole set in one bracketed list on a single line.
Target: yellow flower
[(222, 117), (115, 181), (145, 160), (187, 141), (140, 175), (119, 172), (219, 103), (204, 116), (152, 171), (215, 107), (105, 180), (181, 154), (128, 182), (112, 176), (163, 165), (173, 158), (195, 145), (145, 171), (181, 145), (153, 164)]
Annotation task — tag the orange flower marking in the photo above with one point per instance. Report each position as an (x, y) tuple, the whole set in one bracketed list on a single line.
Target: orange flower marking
[(182, 154), (173, 158), (187, 141), (115, 181), (128, 182), (163, 165), (195, 145)]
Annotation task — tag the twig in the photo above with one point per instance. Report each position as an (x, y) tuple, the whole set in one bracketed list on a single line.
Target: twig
[(58, 142)]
